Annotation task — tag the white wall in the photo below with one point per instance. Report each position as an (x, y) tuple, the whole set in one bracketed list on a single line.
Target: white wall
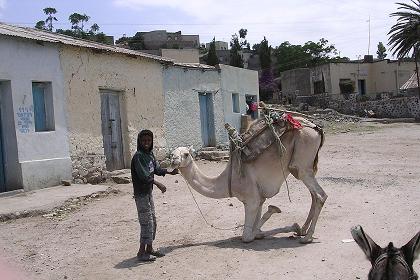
[(241, 81), (43, 156), (182, 86)]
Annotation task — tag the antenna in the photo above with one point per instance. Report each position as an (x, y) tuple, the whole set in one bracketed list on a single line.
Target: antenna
[(369, 36)]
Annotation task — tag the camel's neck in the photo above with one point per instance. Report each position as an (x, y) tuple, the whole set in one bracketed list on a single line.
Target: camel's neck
[(213, 187)]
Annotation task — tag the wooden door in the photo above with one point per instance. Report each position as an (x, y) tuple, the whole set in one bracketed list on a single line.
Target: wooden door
[(111, 130), (207, 119)]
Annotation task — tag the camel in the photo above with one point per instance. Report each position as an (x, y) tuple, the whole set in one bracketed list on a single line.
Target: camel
[(261, 179), (388, 262)]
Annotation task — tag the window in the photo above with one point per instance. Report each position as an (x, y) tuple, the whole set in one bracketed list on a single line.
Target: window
[(235, 103), (43, 106), (346, 86)]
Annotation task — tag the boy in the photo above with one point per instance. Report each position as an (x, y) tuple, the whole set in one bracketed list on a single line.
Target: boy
[(143, 168)]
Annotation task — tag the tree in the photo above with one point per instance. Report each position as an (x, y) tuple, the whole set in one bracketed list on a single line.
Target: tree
[(40, 25), (320, 52), (212, 58), (381, 51), (77, 21), (84, 19), (94, 28), (50, 18), (310, 54), (235, 55), (264, 51), (404, 36), (290, 56)]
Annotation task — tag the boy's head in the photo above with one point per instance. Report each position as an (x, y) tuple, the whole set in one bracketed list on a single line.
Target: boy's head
[(145, 140)]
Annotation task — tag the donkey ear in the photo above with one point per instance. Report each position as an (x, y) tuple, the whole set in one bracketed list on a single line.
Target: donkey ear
[(411, 249), (368, 246)]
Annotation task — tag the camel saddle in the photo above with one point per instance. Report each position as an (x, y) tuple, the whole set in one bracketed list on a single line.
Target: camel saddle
[(261, 134)]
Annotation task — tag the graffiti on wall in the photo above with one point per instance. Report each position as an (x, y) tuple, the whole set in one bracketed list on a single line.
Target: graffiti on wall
[(24, 118)]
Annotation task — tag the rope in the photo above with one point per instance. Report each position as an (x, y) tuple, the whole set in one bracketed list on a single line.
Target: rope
[(202, 215), (280, 147)]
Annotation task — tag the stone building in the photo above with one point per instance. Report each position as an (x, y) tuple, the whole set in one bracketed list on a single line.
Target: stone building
[(342, 79)]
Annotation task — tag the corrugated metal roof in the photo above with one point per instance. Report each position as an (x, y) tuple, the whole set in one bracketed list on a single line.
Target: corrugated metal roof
[(46, 36), (411, 83)]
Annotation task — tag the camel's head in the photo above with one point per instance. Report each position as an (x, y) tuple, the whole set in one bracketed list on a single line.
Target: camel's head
[(388, 262), (181, 157)]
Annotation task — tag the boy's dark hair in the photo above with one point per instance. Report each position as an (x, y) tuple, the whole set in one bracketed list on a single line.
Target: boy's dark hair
[(142, 133)]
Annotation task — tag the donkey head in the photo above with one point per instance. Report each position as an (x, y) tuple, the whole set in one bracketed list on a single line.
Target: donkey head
[(388, 263)]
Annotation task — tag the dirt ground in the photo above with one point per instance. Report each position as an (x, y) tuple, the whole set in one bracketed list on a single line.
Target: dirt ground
[(371, 176)]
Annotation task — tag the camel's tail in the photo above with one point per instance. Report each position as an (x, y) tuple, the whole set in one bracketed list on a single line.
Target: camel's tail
[(321, 132)]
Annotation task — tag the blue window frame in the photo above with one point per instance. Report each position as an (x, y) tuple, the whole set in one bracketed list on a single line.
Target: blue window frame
[(43, 106)]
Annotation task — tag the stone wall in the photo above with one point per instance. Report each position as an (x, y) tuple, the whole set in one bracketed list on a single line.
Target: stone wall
[(404, 107)]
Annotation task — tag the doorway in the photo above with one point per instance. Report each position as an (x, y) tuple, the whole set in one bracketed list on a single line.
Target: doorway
[(362, 87), (207, 119), (2, 173), (111, 129)]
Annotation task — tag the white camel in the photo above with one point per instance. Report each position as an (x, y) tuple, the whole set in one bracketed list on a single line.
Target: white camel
[(261, 179)]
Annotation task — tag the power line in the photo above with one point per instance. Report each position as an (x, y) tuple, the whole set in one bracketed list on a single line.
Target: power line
[(208, 24)]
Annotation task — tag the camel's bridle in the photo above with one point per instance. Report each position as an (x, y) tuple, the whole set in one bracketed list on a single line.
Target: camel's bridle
[(401, 260)]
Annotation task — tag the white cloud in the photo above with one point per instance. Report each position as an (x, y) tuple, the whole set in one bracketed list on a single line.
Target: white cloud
[(343, 23)]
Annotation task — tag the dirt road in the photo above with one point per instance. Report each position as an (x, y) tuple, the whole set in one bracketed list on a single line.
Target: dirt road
[(372, 178)]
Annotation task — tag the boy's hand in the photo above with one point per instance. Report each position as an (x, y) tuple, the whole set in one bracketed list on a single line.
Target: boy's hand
[(174, 172), (161, 186), (162, 189)]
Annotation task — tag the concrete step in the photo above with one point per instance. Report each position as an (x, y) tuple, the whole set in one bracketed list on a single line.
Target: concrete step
[(208, 149), (216, 155)]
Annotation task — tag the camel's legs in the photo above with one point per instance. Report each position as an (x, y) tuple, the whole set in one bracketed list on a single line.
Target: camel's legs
[(258, 216), (293, 228), (271, 210), (320, 197), (251, 211), (310, 214)]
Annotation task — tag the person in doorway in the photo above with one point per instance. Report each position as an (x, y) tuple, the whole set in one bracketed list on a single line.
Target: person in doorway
[(253, 107), (143, 168)]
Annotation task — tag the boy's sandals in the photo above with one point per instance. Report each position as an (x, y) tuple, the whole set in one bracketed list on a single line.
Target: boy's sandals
[(157, 254), (146, 258)]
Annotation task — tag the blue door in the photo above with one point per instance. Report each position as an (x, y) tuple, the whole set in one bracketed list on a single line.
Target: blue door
[(2, 177), (207, 119)]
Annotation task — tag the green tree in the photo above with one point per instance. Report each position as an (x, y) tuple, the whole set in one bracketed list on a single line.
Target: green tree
[(404, 36), (235, 52), (50, 12), (94, 28), (310, 54), (264, 52), (290, 56), (381, 52), (77, 21), (256, 47), (212, 58), (40, 25), (320, 52)]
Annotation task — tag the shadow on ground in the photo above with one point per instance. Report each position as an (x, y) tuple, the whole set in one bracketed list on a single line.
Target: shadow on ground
[(266, 244)]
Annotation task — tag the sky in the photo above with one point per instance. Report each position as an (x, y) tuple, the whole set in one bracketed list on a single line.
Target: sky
[(344, 23)]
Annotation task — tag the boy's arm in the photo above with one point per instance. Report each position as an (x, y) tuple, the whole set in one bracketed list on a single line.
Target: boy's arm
[(161, 186), (158, 170)]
